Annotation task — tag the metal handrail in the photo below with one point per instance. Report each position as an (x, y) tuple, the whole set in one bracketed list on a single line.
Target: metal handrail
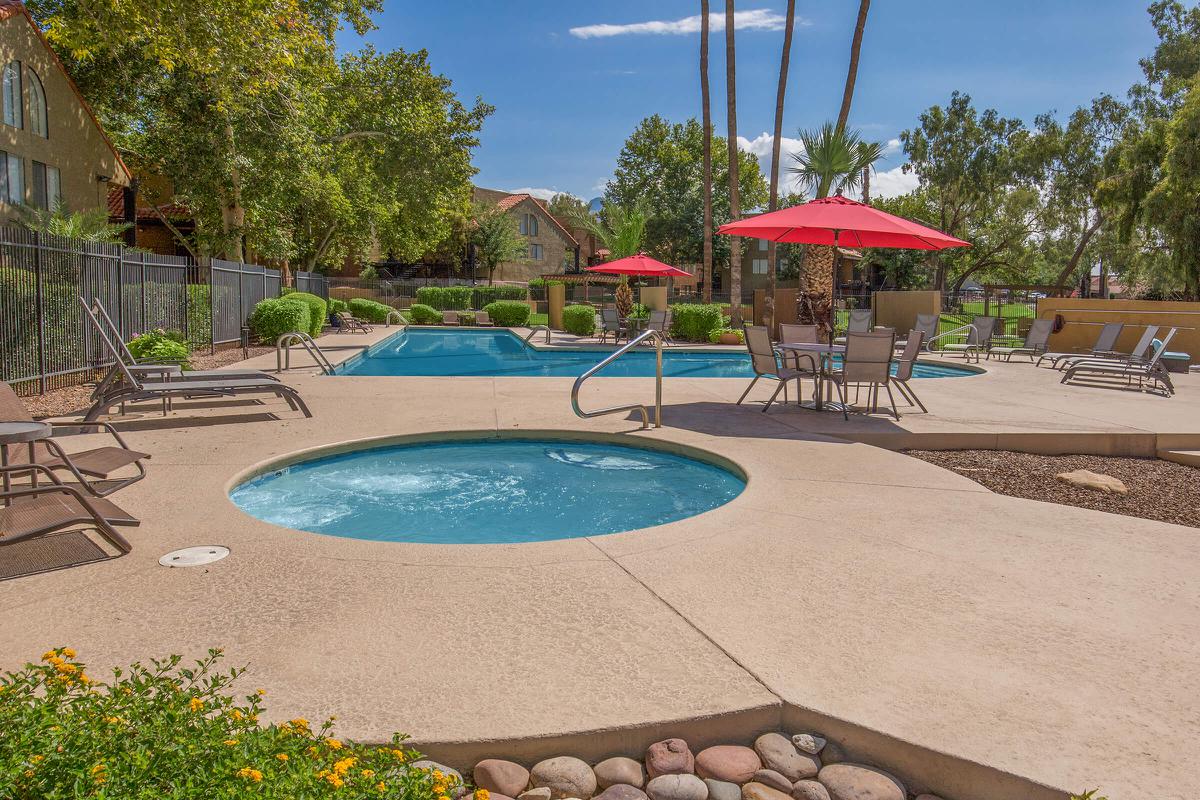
[(658, 372), (537, 328), (387, 321), (283, 351), (955, 331)]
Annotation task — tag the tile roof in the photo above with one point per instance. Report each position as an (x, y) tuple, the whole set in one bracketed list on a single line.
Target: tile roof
[(513, 200), (116, 207)]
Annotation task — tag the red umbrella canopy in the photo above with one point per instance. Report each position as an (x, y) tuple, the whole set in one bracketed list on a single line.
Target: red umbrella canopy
[(843, 222), (641, 264)]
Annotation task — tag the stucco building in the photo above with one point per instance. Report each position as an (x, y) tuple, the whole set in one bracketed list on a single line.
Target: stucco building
[(552, 248)]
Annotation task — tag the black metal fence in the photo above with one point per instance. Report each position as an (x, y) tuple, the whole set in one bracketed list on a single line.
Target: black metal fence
[(45, 339)]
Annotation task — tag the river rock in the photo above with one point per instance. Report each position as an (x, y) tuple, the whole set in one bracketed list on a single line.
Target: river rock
[(612, 771), (669, 757), (682, 786), (535, 794), (564, 776), (621, 791), (760, 791), (928, 797), (769, 777), (832, 753), (501, 777), (1095, 481), (860, 782), (728, 762), (808, 743), (722, 790), (778, 753), (810, 790), (459, 790)]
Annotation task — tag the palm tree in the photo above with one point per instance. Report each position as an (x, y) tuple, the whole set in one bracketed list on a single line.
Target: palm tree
[(706, 265), (775, 147), (852, 72), (88, 226), (620, 230), (735, 211), (833, 160)]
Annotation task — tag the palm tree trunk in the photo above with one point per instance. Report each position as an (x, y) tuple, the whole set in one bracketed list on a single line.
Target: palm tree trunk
[(866, 182), (852, 72), (706, 262), (775, 147), (735, 250)]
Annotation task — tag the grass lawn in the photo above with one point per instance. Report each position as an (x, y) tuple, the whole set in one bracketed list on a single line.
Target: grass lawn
[(539, 319)]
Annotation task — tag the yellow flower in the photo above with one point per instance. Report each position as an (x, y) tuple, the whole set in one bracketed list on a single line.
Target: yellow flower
[(99, 773), (237, 715), (334, 744), (343, 766), (38, 759), (196, 704), (55, 660), (49, 654), (438, 775), (399, 754), (381, 787), (482, 794), (300, 722), (282, 756), (260, 692), (230, 742), (68, 652), (335, 780), (84, 679), (368, 773), (443, 797), (66, 668), (113, 720), (250, 774)]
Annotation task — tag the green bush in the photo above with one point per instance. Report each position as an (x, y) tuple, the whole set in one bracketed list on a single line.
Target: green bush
[(167, 731), (337, 306), (579, 320), (160, 346), (445, 298), (274, 317), (694, 321), (421, 314), (369, 310), (640, 311), (543, 283), (715, 335), (318, 310), (490, 294), (508, 313)]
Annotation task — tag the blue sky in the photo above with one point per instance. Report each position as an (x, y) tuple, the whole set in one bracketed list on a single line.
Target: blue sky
[(567, 93)]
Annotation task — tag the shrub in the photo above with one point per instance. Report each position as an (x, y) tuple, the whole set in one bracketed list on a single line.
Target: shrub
[(579, 320), (337, 306), (160, 346), (164, 730), (694, 321), (272, 318), (369, 310), (640, 311), (318, 310), (490, 294), (508, 313), (421, 314), (715, 335), (445, 298)]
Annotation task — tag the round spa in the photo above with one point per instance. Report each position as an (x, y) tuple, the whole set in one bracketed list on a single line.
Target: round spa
[(487, 491)]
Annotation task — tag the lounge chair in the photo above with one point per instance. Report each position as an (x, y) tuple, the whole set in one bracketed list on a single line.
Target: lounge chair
[(765, 362), (1152, 370), (1106, 342), (450, 317), (1035, 342), (484, 320), (979, 338), (348, 322), (904, 367), (927, 325), (859, 322), (1143, 350), (867, 361), (97, 463)]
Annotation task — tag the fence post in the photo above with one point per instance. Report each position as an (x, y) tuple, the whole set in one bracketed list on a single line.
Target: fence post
[(41, 311), (212, 308), (145, 305)]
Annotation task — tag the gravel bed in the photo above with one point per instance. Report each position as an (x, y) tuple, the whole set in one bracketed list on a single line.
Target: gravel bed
[(1158, 490)]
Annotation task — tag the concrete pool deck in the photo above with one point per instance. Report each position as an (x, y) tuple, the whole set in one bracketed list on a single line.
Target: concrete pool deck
[(850, 589)]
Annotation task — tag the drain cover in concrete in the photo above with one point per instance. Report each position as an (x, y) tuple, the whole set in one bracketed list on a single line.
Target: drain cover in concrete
[(194, 556)]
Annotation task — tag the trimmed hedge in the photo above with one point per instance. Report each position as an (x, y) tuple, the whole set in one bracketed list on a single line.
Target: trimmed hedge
[(274, 317), (421, 314), (579, 320), (318, 310), (695, 321), (485, 295), (444, 298), (369, 310), (508, 313)]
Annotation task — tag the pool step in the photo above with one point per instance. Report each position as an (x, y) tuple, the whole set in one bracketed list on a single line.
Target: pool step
[(1189, 457)]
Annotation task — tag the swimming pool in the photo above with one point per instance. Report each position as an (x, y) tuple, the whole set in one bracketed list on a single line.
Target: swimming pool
[(487, 491), (475, 352)]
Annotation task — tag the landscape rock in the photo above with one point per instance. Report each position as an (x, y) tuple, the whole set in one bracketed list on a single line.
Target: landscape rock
[(728, 762), (769, 777), (810, 790), (1086, 479), (760, 791), (722, 790), (458, 790), (860, 782), (535, 794), (808, 742), (778, 753), (677, 786), (832, 753), (564, 776), (928, 797), (621, 791), (501, 777), (669, 757), (612, 771)]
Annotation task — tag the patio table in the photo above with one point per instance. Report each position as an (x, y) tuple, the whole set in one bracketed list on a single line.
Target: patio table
[(20, 433), (824, 353)]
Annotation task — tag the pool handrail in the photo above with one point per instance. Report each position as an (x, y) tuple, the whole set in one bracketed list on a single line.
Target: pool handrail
[(535, 329), (387, 321), (659, 338), (283, 351)]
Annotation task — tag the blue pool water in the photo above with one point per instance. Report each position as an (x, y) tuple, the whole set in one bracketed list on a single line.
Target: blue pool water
[(490, 491), (434, 352)]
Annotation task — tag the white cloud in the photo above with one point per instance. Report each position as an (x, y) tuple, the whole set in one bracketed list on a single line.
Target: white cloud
[(540, 193), (760, 148), (891, 146), (759, 19), (893, 183)]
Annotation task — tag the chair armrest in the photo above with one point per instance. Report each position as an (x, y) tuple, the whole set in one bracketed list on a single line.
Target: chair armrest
[(104, 426), (58, 488), (18, 468)]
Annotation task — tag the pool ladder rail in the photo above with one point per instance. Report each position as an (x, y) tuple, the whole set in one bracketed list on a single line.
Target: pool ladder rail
[(535, 329), (658, 376), (283, 351)]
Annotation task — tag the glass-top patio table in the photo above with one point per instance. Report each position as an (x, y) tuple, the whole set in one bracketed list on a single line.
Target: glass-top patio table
[(824, 356)]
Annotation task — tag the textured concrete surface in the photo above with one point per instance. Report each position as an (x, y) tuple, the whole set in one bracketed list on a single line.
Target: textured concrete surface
[(911, 609)]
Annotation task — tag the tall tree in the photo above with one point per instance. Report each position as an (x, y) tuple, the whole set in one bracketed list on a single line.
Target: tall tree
[(496, 238), (852, 71), (776, 142), (735, 211), (706, 263)]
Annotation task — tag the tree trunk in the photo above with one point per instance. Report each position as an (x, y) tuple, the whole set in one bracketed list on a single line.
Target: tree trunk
[(818, 270), (1073, 264), (866, 182), (233, 213), (735, 212), (706, 262), (775, 148), (852, 72)]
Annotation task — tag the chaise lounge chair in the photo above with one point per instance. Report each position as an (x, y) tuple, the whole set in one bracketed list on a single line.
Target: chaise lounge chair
[(1106, 341), (1152, 370), (484, 320), (979, 338), (927, 326), (858, 322), (1035, 342), (1142, 351), (450, 317), (348, 322)]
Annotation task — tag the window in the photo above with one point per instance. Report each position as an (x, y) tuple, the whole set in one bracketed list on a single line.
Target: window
[(37, 106), (529, 225), (12, 179), (762, 244), (759, 266), (535, 252), (12, 95), (46, 186)]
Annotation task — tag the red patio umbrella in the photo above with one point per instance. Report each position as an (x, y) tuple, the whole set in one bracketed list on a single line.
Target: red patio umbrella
[(642, 265), (841, 222)]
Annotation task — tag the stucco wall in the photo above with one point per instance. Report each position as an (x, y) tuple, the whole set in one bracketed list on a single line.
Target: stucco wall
[(554, 246), (1084, 318), (75, 145), (899, 309)]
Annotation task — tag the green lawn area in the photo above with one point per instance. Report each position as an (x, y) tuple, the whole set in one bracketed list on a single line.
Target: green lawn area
[(1008, 310), (539, 319)]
